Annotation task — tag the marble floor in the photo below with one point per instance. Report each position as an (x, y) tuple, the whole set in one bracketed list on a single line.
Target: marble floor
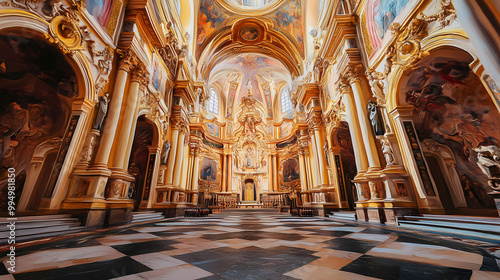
[(253, 244)]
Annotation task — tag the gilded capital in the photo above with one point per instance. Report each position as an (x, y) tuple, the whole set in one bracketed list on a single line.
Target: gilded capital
[(128, 59)]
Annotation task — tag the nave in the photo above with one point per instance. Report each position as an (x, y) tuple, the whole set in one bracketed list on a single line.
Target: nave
[(255, 244)]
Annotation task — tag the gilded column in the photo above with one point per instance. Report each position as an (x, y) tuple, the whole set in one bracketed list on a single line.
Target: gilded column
[(127, 62), (366, 128), (271, 172), (356, 138)]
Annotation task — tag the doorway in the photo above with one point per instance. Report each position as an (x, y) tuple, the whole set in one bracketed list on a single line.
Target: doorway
[(249, 190), (441, 185)]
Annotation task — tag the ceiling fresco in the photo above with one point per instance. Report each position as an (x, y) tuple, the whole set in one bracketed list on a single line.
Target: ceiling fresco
[(288, 20), (251, 72)]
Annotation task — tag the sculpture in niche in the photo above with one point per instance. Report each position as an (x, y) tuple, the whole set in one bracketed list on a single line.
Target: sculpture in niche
[(249, 125), (165, 152), (103, 110), (325, 150), (375, 80), (387, 151), (375, 118), (488, 159)]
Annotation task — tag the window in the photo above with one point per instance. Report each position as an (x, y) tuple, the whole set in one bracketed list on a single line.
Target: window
[(286, 103), (213, 102)]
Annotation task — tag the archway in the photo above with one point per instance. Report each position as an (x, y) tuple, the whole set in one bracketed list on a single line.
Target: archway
[(139, 164), (344, 163), (38, 86), (452, 108)]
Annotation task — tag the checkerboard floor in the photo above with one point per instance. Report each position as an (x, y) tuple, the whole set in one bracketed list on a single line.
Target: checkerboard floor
[(253, 244)]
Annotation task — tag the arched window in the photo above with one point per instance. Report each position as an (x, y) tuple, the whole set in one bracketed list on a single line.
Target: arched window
[(286, 103), (213, 102)]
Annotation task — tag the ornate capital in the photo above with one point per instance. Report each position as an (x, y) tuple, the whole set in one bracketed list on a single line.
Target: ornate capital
[(314, 121), (140, 74), (343, 87), (128, 59), (181, 124), (352, 74)]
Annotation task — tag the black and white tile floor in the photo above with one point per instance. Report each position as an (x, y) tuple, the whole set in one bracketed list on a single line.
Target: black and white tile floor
[(253, 244)]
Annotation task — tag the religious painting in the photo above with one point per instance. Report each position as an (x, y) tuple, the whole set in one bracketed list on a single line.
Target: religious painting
[(453, 108), (288, 20), (213, 129), (249, 33), (290, 170), (378, 17), (157, 77), (36, 95), (208, 170), (105, 12)]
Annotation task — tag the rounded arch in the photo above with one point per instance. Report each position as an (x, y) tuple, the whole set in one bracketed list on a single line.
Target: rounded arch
[(31, 26), (430, 45)]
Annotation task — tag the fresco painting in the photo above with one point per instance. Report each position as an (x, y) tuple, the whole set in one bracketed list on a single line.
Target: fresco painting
[(290, 170), (379, 16), (249, 66), (287, 20), (210, 18), (208, 170), (157, 76), (213, 129), (453, 108)]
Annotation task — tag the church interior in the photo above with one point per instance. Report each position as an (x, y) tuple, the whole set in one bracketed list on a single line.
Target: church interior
[(250, 139)]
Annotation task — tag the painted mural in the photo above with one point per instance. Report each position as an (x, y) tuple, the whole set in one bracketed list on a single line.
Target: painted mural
[(286, 129), (210, 18), (453, 108), (249, 66), (105, 12), (379, 15), (289, 18), (36, 90), (213, 129), (290, 170), (208, 170), (158, 76)]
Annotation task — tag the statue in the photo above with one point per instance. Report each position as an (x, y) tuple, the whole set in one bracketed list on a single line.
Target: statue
[(488, 159), (375, 80), (325, 150), (387, 151), (375, 118), (165, 152), (249, 125), (103, 110)]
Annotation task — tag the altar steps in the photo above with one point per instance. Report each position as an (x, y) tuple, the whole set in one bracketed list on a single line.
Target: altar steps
[(343, 215), (139, 217), (478, 228), (37, 227)]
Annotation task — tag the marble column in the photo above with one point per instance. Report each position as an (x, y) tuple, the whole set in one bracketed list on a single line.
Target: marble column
[(315, 163), (303, 174), (127, 118), (230, 173), (271, 172), (224, 174), (365, 125), (171, 157), (196, 169), (127, 62), (321, 158), (354, 129), (178, 159)]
